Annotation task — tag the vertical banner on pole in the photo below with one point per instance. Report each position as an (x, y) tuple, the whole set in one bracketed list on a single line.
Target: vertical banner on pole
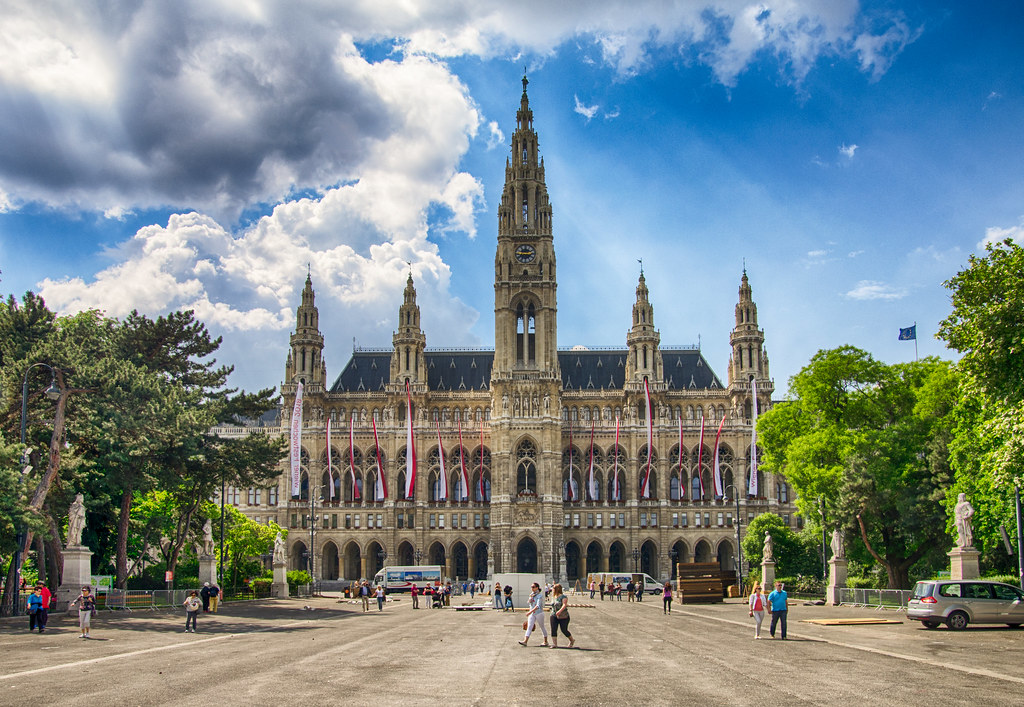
[(296, 440)]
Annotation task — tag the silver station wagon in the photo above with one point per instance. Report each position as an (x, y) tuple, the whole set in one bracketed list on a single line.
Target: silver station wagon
[(960, 602)]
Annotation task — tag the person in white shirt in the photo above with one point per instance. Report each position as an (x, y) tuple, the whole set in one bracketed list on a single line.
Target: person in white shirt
[(535, 615)]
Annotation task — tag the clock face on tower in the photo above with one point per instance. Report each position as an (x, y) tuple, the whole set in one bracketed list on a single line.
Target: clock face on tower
[(526, 253)]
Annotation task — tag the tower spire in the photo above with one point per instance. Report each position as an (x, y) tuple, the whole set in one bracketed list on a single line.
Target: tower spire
[(643, 339), (749, 357)]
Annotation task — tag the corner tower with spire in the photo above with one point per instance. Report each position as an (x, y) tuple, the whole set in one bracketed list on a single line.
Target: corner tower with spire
[(305, 354), (643, 341), (408, 362), (749, 359)]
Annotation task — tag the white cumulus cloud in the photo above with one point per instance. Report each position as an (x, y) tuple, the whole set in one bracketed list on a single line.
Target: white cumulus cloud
[(872, 289), (996, 234), (586, 111)]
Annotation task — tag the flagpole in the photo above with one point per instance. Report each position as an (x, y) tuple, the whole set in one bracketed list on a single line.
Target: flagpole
[(915, 342)]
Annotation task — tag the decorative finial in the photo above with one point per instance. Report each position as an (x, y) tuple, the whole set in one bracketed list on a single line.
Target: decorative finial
[(308, 272), (641, 261), (525, 80), (744, 266)]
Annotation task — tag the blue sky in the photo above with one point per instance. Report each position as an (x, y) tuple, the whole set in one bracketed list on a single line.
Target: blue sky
[(853, 155)]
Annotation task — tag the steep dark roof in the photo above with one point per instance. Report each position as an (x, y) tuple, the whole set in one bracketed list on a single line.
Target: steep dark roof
[(471, 370)]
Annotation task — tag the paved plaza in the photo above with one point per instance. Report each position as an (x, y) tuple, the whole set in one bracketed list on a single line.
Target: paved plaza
[(277, 652)]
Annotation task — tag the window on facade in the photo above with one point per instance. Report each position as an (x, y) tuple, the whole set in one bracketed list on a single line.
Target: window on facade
[(611, 520), (433, 520), (272, 495), (567, 520), (348, 521), (409, 521), (295, 520), (696, 519), (683, 522), (369, 520), (334, 520), (643, 520), (721, 519), (675, 520), (590, 520), (707, 519), (305, 521), (785, 518), (440, 521), (575, 520), (476, 520), (380, 520), (599, 519), (487, 520), (622, 520), (526, 470), (357, 518), (251, 497), (400, 521), (654, 520)]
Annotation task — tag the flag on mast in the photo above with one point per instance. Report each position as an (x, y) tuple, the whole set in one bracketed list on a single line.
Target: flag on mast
[(616, 491), (296, 440), (682, 486), (463, 479), (591, 481), (352, 458), (442, 493), (330, 467), (410, 447), (719, 486), (752, 489), (381, 488), (700, 458), (645, 491)]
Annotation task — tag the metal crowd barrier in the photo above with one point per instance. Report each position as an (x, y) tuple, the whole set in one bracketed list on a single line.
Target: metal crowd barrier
[(133, 599), (875, 598)]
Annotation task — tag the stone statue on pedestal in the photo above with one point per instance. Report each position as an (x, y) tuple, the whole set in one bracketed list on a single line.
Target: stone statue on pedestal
[(768, 551), (279, 550), (76, 522), (207, 537), (962, 513), (838, 545)]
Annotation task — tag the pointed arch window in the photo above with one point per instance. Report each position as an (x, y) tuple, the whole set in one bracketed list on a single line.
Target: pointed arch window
[(526, 469)]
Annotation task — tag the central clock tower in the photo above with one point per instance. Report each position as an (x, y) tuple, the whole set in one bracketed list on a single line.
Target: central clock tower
[(526, 426)]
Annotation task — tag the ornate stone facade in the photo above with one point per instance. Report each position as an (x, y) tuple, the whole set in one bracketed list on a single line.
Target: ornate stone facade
[(520, 419)]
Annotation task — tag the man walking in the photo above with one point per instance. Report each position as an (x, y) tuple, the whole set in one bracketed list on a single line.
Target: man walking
[(640, 590), (630, 589), (778, 609), (364, 594), (214, 598), (204, 595), (601, 587)]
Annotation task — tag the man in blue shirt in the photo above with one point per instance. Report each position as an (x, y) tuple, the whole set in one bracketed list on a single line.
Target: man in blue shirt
[(778, 609)]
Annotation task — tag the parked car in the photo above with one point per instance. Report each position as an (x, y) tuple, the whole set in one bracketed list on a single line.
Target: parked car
[(960, 602)]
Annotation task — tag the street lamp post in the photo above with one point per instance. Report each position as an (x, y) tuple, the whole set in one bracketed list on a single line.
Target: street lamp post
[(636, 558), (418, 555), (672, 555), (560, 560), (824, 557), (739, 547)]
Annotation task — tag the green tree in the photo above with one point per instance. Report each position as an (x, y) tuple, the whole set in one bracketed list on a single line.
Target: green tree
[(244, 541), (791, 553), (868, 441), (987, 448)]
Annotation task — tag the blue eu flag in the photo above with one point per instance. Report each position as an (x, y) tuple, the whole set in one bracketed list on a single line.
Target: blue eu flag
[(909, 333)]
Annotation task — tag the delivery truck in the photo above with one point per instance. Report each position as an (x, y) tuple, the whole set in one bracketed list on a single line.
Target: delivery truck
[(651, 585), (400, 579)]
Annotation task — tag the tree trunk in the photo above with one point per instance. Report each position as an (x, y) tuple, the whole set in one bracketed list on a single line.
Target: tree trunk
[(7, 603), (55, 556), (122, 537)]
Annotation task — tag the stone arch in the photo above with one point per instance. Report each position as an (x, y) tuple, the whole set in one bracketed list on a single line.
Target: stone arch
[(527, 555), (374, 560), (702, 551), (480, 552), (437, 554), (405, 555), (726, 555), (649, 558), (298, 559), (594, 554), (353, 565), (617, 557), (682, 556), (573, 555), (526, 467), (329, 561), (460, 560)]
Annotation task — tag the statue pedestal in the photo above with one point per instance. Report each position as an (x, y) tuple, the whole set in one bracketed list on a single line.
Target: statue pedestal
[(279, 588), (964, 563), (207, 569), (767, 574), (77, 573), (836, 581)]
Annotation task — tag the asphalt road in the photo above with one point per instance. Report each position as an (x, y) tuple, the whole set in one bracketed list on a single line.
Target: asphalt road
[(276, 652)]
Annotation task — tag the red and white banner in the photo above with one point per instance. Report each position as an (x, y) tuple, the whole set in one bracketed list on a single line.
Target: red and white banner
[(442, 491), (296, 440), (381, 488), (591, 479), (700, 459), (719, 488), (463, 478), (616, 491), (752, 489), (352, 457), (645, 491), (330, 466), (410, 447)]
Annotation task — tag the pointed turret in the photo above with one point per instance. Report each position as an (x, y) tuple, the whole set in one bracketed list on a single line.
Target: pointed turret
[(305, 356), (408, 362), (643, 340), (749, 358)]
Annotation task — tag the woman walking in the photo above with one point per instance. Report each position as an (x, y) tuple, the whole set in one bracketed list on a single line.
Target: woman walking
[(192, 605), (35, 610), (498, 603), (560, 616), (86, 608), (666, 598), (535, 615), (379, 594), (756, 603)]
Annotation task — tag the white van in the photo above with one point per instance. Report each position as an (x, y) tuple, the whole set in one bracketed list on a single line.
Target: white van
[(401, 579), (651, 585)]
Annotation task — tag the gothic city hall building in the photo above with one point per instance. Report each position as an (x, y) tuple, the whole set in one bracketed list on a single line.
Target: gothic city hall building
[(528, 458)]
